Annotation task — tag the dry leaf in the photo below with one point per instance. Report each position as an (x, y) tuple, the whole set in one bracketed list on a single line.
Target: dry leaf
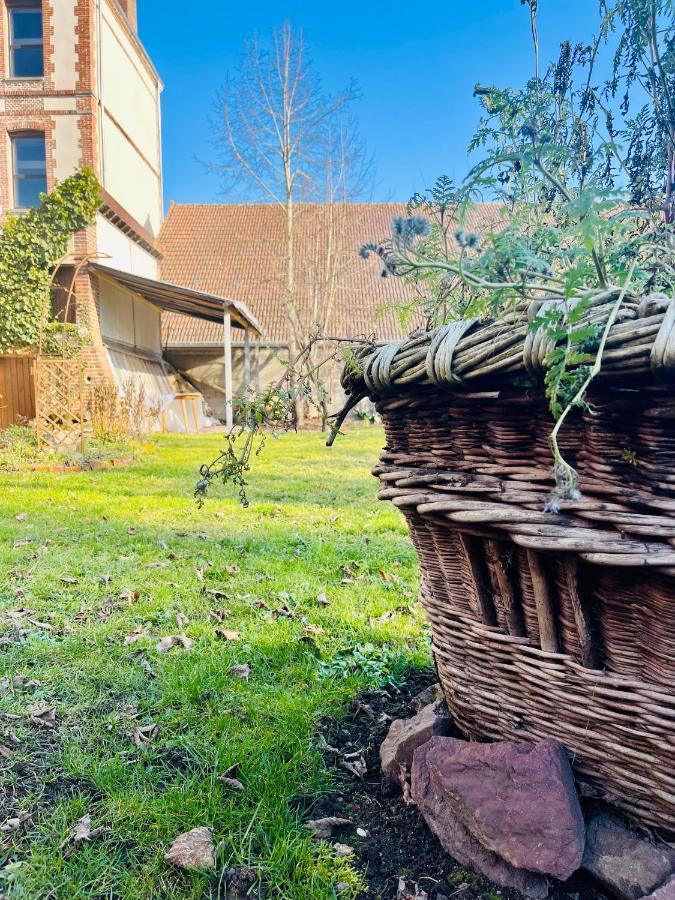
[(314, 630), (129, 594), (15, 822), (44, 718), (200, 574), (232, 570), (260, 604), (343, 850), (219, 615), (45, 626), (193, 850), (215, 592), (226, 635), (22, 542), (324, 828), (166, 643), (132, 531), (5, 752), (147, 668), (68, 579), (181, 620), (143, 734), (230, 779), (283, 612), (162, 545), (82, 832), (133, 637), (354, 763), (158, 565), (322, 599), (241, 671), (21, 517), (409, 890)]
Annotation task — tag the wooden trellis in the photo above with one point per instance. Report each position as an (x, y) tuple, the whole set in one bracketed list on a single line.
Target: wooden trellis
[(59, 401)]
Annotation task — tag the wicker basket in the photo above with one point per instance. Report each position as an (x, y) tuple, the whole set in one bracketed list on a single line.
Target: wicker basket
[(545, 624)]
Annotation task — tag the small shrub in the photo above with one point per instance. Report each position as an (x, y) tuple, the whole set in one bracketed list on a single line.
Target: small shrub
[(116, 415)]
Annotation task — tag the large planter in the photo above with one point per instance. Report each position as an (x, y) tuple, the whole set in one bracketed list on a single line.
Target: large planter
[(545, 623)]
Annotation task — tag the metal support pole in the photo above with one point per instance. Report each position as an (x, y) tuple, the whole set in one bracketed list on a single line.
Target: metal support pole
[(227, 368)]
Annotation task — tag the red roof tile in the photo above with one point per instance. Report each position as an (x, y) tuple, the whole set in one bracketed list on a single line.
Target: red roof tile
[(237, 251)]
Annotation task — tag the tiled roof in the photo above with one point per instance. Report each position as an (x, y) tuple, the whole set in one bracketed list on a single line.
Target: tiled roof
[(237, 251)]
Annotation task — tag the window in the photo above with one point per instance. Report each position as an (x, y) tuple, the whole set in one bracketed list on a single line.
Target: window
[(30, 169), (25, 39)]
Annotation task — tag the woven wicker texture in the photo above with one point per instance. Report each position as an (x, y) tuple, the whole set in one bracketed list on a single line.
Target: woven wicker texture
[(545, 624)]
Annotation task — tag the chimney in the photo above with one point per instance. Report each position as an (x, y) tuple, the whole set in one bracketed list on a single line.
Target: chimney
[(129, 7)]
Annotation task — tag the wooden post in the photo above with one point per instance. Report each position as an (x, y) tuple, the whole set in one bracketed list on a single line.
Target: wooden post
[(257, 365), (486, 607), (506, 593), (247, 360), (227, 367), (582, 619), (548, 631)]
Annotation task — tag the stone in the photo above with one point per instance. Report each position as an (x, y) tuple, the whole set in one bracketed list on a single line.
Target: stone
[(432, 694), (406, 735), (193, 850), (665, 892), (625, 862), (508, 809)]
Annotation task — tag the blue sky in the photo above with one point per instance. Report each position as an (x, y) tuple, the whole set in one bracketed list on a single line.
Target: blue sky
[(416, 65)]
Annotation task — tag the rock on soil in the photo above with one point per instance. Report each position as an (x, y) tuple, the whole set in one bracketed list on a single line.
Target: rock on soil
[(509, 809), (398, 842), (406, 735), (624, 861), (665, 892)]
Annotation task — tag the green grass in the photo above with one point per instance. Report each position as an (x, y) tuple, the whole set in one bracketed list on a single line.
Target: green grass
[(314, 527)]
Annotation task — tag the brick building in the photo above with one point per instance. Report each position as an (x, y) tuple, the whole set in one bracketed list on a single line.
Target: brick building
[(78, 89)]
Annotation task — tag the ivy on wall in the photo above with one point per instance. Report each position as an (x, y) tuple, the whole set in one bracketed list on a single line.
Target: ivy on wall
[(30, 246)]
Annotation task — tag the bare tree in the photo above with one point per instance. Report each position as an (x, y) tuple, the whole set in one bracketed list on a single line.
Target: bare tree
[(285, 141)]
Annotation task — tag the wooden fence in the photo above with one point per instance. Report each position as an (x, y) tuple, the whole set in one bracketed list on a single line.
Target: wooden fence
[(17, 389)]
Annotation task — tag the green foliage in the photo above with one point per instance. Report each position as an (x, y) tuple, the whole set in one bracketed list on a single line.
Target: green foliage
[(587, 213), (30, 246)]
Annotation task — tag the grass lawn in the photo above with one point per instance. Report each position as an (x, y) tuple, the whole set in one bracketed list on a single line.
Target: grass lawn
[(107, 563)]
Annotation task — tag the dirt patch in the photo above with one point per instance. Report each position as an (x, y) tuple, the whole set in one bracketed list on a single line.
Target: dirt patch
[(398, 842)]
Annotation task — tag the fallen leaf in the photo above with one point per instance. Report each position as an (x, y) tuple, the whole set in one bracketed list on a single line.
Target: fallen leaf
[(219, 615), (44, 718), (166, 643), (241, 671), (134, 637), (144, 734), (232, 570), (5, 752), (215, 592), (181, 620), (147, 668), (162, 545), (129, 594), (129, 710), (260, 604), (322, 599), (283, 612), (21, 517), (158, 565), (193, 850), (199, 574), (343, 850), (226, 635), (233, 783), (354, 763), (132, 531), (82, 832), (409, 890), (313, 630), (324, 828), (68, 579), (44, 626), (15, 822), (21, 542)]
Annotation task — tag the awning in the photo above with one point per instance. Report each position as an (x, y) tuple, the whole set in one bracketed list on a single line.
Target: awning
[(181, 299)]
